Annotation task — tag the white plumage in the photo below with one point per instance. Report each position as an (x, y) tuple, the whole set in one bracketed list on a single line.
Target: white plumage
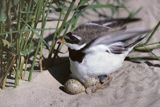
[(96, 63), (97, 49)]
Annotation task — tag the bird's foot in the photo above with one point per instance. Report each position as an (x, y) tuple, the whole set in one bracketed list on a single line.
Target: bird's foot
[(102, 78), (105, 80)]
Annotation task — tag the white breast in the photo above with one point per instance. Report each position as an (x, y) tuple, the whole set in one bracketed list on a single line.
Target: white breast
[(97, 63)]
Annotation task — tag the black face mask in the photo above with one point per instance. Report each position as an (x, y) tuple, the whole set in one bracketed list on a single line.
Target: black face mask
[(71, 39)]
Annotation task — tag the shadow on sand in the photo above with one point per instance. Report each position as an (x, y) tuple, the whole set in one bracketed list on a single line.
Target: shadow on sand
[(60, 69)]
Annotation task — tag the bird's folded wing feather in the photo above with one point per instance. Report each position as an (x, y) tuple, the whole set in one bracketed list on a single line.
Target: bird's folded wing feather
[(95, 29), (118, 41)]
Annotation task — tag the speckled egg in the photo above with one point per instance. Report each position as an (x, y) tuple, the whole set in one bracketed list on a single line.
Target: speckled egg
[(91, 82), (73, 86)]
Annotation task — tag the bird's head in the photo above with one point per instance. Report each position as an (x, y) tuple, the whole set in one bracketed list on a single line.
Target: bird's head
[(73, 41)]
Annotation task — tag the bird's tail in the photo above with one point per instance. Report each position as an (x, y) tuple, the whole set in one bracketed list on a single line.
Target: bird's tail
[(135, 41)]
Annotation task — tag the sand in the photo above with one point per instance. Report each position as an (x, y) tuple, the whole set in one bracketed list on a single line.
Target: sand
[(134, 85)]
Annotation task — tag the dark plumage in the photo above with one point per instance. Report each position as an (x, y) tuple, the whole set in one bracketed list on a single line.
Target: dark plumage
[(76, 55), (96, 29)]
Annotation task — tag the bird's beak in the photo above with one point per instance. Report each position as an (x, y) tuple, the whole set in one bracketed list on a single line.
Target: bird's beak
[(61, 40)]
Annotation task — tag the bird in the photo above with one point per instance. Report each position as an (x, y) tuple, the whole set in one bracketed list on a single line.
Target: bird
[(99, 48)]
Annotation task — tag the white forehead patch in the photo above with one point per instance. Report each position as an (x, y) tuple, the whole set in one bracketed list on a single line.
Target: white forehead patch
[(77, 36), (75, 46)]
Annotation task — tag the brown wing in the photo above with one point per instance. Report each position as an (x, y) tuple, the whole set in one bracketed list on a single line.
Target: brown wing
[(94, 29), (118, 41)]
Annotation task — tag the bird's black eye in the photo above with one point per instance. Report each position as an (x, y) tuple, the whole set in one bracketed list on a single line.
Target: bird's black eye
[(71, 38)]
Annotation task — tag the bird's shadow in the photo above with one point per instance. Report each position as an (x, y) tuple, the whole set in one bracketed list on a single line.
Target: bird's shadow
[(60, 69)]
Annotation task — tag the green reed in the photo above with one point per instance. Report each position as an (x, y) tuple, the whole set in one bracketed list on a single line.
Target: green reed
[(19, 36)]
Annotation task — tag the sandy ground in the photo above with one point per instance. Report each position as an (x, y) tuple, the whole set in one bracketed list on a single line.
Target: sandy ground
[(135, 85)]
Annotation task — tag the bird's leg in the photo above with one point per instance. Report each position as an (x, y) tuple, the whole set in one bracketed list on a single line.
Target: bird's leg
[(104, 81), (102, 78)]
